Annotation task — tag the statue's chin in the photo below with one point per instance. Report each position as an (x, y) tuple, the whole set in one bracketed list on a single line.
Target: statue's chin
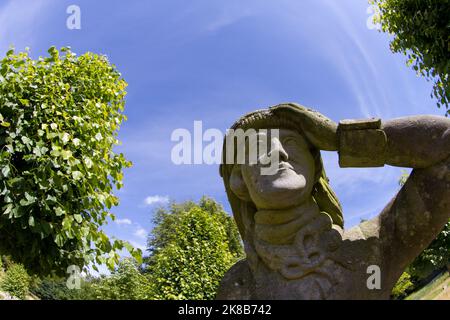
[(279, 191)]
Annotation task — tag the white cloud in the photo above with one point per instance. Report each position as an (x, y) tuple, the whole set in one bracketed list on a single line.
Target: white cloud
[(138, 245), (151, 200), (140, 233), (123, 221), (227, 17)]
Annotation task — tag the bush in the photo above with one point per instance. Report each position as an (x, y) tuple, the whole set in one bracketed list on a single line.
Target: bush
[(53, 289), (16, 281)]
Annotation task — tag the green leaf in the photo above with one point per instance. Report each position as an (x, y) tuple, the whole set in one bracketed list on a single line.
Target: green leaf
[(99, 136), (5, 171), (76, 142), (25, 102), (26, 140), (137, 255), (59, 240), (7, 209), (77, 175), (88, 162), (65, 137), (78, 218), (66, 154), (28, 200), (59, 212), (31, 221)]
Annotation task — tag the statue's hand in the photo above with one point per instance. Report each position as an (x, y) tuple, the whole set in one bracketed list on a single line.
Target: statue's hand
[(318, 129)]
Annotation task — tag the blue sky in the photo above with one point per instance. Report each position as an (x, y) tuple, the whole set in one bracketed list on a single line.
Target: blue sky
[(214, 61)]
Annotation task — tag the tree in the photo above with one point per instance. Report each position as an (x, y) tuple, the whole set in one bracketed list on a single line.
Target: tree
[(421, 31), (435, 257), (125, 283), (191, 248), (402, 287), (59, 118)]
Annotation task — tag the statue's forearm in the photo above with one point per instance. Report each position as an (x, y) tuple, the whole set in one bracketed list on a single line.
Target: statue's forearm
[(415, 142)]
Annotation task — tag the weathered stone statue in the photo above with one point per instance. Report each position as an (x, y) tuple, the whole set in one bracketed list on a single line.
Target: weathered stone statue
[(292, 224)]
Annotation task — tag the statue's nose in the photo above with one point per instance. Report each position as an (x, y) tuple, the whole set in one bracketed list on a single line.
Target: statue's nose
[(276, 146)]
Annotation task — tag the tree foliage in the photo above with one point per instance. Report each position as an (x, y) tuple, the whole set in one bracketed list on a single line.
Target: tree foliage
[(16, 281), (421, 31), (403, 286), (125, 283), (436, 256), (191, 248), (53, 289), (59, 117)]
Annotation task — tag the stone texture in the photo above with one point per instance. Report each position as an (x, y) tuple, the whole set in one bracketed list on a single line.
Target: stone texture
[(292, 223)]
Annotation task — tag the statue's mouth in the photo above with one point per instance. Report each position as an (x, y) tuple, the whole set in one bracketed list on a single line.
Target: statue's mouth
[(285, 166)]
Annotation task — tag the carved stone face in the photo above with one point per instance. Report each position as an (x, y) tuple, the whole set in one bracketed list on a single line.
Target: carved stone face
[(290, 185)]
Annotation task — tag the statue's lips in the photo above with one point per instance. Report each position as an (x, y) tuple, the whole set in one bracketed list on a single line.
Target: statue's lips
[(285, 166)]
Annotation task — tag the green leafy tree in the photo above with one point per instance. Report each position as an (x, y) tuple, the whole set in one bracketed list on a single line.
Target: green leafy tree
[(403, 286), (59, 117), (435, 257), (191, 248), (125, 283), (421, 31)]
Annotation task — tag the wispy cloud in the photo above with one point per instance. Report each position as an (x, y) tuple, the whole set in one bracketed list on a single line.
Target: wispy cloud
[(138, 245), (123, 221), (140, 233), (227, 17), (152, 200)]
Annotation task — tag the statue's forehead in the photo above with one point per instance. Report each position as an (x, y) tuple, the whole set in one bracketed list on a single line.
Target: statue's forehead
[(283, 133)]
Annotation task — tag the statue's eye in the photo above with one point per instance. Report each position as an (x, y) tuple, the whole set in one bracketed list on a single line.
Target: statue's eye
[(289, 142)]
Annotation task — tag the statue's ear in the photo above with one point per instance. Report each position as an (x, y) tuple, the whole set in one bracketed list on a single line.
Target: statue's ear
[(237, 184)]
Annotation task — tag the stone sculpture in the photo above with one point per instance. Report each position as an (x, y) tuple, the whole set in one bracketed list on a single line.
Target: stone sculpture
[(291, 222)]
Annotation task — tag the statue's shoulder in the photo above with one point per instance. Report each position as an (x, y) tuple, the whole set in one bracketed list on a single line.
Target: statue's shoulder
[(238, 283), (364, 242), (365, 230)]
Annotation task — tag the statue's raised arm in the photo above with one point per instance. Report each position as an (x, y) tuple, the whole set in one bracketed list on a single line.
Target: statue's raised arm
[(291, 221), (419, 211)]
